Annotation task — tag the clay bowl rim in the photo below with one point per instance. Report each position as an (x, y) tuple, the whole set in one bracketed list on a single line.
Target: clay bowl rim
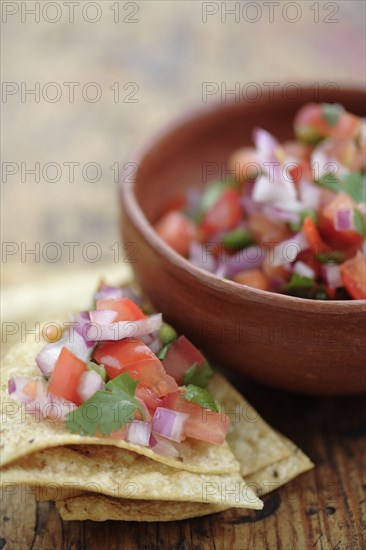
[(226, 286)]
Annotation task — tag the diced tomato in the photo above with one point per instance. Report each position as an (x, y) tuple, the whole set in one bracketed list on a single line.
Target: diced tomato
[(151, 399), (245, 163), (176, 230), (339, 239), (252, 277), (267, 232), (226, 213), (202, 424), (301, 170), (66, 375), (176, 203), (353, 273), (181, 356), (312, 116), (127, 310), (313, 236), (133, 356)]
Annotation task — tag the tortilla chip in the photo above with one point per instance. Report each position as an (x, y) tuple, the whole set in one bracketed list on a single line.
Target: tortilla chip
[(102, 508), (127, 475), (254, 443), (22, 433)]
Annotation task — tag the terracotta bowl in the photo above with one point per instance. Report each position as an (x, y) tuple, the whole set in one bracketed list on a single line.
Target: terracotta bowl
[(301, 345)]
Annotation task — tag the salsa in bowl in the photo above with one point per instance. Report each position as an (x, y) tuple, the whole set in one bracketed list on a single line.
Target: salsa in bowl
[(310, 346), (291, 216)]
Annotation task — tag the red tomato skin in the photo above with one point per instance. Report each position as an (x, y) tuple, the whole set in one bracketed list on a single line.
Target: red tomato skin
[(127, 309), (311, 115), (338, 239), (353, 272), (66, 375), (226, 213), (177, 231), (133, 356), (204, 425), (313, 236), (266, 232), (181, 356), (150, 398)]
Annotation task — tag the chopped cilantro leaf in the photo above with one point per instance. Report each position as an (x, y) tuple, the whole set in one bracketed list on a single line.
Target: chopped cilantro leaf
[(297, 281), (237, 239), (106, 411), (167, 334), (333, 257), (198, 375), (331, 113), (163, 351), (354, 184), (201, 397)]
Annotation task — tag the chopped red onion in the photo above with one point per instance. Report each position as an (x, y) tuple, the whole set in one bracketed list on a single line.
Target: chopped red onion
[(107, 292), (124, 329), (80, 324), (249, 205), (163, 446), (155, 346), (169, 423), (90, 383), (103, 316), (277, 191), (277, 213), (324, 160), (57, 408), (248, 258), (287, 250), (343, 219), (309, 194), (71, 340), (17, 389), (332, 275), (139, 432), (304, 270), (265, 144), (200, 257)]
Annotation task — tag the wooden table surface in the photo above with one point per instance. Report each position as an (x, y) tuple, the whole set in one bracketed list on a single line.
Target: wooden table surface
[(323, 509), (169, 53)]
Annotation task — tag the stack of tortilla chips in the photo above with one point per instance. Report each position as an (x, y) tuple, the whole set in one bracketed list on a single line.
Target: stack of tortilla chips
[(106, 478)]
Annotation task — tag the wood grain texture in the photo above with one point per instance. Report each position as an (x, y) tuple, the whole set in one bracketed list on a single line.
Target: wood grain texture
[(324, 509)]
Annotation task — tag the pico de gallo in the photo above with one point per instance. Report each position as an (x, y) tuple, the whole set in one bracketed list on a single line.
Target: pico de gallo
[(292, 219), (118, 372)]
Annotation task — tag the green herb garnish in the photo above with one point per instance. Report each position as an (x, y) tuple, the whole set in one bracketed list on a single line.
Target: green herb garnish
[(297, 281), (237, 239), (297, 226), (331, 113), (108, 410), (201, 397), (198, 375), (167, 334), (163, 351), (359, 222), (354, 184), (333, 257)]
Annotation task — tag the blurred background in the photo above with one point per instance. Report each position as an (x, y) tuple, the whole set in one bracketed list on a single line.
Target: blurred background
[(84, 83)]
